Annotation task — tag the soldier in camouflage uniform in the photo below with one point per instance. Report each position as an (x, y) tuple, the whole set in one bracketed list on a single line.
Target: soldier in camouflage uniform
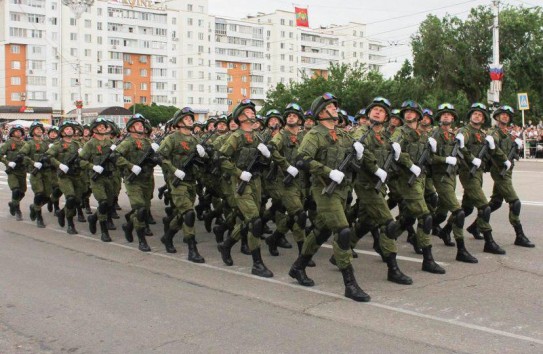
[(503, 182), (175, 151), (38, 164), (408, 146), (472, 139), (87, 135), (13, 158), (79, 138), (102, 185), (138, 179), (373, 212), (64, 155), (239, 150), (285, 145), (444, 172), (309, 120), (321, 151), (53, 203)]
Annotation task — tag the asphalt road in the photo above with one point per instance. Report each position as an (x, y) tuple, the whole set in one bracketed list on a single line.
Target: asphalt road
[(62, 293)]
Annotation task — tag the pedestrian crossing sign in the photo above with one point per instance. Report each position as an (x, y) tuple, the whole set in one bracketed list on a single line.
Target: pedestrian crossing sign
[(523, 103)]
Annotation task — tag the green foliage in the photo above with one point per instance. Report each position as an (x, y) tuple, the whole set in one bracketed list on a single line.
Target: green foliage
[(450, 64), (155, 113)]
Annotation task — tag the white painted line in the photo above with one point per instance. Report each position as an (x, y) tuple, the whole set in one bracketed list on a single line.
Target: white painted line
[(320, 292), (524, 202)]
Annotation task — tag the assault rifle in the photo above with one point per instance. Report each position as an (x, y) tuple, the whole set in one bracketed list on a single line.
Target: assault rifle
[(18, 160), (73, 159), (107, 156), (190, 158), (511, 156), (242, 185), (387, 167), (481, 156), (44, 160), (148, 154), (455, 152), (329, 189), (423, 159)]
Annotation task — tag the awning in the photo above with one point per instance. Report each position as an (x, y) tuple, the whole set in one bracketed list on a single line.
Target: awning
[(26, 116)]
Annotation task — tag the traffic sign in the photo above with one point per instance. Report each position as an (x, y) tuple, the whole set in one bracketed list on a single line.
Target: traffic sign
[(523, 103)]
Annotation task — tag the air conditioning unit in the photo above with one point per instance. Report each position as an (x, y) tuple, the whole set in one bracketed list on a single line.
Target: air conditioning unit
[(175, 39)]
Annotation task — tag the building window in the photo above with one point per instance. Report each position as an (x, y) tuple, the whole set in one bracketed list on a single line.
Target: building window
[(15, 49), (143, 72), (16, 65), (189, 7), (143, 99), (15, 80), (143, 86), (15, 96), (73, 22), (88, 23), (73, 36), (189, 21), (143, 58)]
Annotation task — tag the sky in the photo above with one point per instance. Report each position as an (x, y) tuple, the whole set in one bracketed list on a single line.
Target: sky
[(391, 21)]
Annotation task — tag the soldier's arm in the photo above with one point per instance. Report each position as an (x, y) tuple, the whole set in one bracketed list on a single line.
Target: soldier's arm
[(165, 151), (52, 152), (3, 152), (121, 152), (307, 153), (468, 156), (405, 159), (26, 150), (498, 155), (277, 157), (226, 151), (369, 162)]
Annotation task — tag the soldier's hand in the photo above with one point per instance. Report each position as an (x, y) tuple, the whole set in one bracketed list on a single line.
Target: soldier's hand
[(397, 150), (98, 169), (38, 165), (507, 165), (12, 164), (359, 148), (136, 170), (79, 150), (293, 171), (415, 170), (382, 174), (451, 160), (433, 144), (246, 176), (50, 145), (155, 146), (461, 140), (264, 150), (113, 147), (336, 176), (179, 174), (476, 162), (63, 168), (490, 140), (519, 143), (201, 151)]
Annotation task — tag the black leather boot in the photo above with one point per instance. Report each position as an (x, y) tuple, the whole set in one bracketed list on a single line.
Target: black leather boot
[(428, 263), (148, 231), (104, 230), (445, 235), (395, 275), (110, 224), (86, 203), (521, 239), (18, 213), (128, 228), (56, 208), (225, 248), (32, 213), (150, 219), (412, 239), (474, 230), (71, 227), (143, 246), (375, 234), (352, 290), (199, 211), (167, 240), (208, 219), (61, 217), (219, 231), (12, 208), (462, 255), (259, 268), (93, 219), (300, 244), (244, 248), (490, 245), (166, 222), (271, 241), (297, 271), (194, 255), (80, 215), (39, 220), (50, 205), (283, 242)]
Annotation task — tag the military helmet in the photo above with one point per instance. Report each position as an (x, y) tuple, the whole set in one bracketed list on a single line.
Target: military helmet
[(134, 119), (481, 107), (344, 116), (273, 113), (66, 124), (35, 124), (99, 121), (446, 108), (148, 127), (182, 113), (245, 103), (360, 114), (53, 128), (296, 109), (229, 117), (222, 119), (17, 127), (504, 109), (379, 102), (320, 103), (209, 121), (410, 105), (78, 128), (395, 113), (309, 115), (426, 112)]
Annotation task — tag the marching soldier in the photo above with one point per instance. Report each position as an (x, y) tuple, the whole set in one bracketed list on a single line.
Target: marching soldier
[(502, 174), (64, 155), (472, 140), (322, 150), (53, 203), (309, 120), (444, 171), (175, 151), (13, 158), (237, 155)]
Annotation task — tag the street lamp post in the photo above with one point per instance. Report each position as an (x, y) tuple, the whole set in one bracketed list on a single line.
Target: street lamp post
[(78, 7)]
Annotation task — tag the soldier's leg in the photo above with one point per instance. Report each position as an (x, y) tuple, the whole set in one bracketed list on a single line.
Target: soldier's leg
[(17, 185), (138, 216), (470, 200)]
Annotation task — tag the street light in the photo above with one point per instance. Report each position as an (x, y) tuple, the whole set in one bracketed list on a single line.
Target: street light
[(78, 7)]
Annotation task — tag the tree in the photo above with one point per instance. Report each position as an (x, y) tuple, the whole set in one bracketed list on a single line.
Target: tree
[(155, 113)]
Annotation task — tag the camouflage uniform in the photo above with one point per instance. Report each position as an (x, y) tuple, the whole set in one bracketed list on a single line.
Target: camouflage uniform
[(10, 154)]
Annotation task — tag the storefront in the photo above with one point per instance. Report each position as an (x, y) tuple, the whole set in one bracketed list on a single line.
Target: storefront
[(12, 113)]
